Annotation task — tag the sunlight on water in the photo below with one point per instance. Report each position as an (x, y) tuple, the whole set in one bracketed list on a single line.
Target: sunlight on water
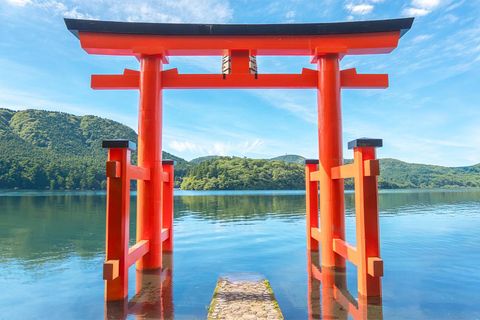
[(52, 250)]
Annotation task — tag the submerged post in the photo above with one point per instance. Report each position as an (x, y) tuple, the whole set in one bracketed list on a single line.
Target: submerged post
[(115, 269), (332, 207), (149, 193), (370, 266), (311, 187), (167, 205)]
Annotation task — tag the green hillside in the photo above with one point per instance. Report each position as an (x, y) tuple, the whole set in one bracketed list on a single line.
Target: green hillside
[(45, 149), (232, 173), (55, 150), (290, 158), (202, 159)]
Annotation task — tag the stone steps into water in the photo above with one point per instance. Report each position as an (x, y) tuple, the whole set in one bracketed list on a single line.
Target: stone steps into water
[(243, 296)]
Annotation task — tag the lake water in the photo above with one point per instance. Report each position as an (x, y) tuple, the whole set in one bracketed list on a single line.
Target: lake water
[(52, 248)]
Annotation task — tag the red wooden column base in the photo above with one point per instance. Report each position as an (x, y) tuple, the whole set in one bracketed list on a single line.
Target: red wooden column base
[(311, 187), (149, 193), (115, 269), (370, 266), (332, 207), (167, 205)]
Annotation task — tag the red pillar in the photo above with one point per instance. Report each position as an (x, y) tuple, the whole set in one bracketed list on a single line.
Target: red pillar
[(370, 267), (167, 204), (149, 193), (311, 188), (332, 207), (118, 209)]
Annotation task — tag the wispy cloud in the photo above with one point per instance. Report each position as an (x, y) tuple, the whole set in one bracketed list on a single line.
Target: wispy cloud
[(222, 148), (20, 3), (359, 9), (297, 102), (420, 8), (200, 11), (205, 11), (421, 38), (55, 7)]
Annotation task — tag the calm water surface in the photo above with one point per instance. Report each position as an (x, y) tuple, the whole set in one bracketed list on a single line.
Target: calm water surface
[(52, 249)]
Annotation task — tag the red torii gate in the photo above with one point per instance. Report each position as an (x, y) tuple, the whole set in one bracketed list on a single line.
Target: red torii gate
[(327, 43)]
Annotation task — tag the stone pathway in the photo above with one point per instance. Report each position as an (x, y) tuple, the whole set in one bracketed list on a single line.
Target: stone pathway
[(243, 296)]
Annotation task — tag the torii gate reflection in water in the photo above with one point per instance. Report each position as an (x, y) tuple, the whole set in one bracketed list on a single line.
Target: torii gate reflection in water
[(327, 43)]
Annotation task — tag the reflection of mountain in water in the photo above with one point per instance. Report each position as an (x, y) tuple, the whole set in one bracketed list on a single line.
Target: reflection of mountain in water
[(240, 207), (39, 229)]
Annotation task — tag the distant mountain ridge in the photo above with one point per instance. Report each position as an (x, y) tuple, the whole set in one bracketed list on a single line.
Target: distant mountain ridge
[(56, 150), (289, 158)]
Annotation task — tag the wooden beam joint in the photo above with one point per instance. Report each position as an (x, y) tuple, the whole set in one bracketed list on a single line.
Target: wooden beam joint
[(114, 169), (111, 269)]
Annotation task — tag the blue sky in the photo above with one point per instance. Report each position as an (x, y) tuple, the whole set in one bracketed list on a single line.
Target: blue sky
[(430, 114)]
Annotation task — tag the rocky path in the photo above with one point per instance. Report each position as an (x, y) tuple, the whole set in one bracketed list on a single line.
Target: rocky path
[(244, 296)]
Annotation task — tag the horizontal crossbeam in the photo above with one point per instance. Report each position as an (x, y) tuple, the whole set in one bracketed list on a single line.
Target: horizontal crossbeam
[(371, 168), (343, 172), (165, 234), (315, 233), (111, 269), (171, 79), (285, 45), (138, 173), (350, 79), (375, 267), (346, 250), (165, 177), (137, 251)]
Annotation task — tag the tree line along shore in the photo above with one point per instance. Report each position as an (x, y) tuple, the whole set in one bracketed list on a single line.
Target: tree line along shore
[(54, 150)]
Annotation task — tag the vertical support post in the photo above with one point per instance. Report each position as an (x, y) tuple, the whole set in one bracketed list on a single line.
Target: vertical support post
[(118, 212), (149, 193), (240, 61), (311, 188), (167, 204), (367, 221), (332, 199)]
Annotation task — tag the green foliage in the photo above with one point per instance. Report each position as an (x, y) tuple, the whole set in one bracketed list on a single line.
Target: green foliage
[(226, 173), (201, 159), (55, 150), (290, 158)]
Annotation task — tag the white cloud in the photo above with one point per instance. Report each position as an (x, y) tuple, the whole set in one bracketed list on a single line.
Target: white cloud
[(359, 9), (455, 5), (222, 148), (425, 4), (194, 11), (421, 8), (290, 15), (56, 7), (186, 145), (298, 102), (199, 11), (416, 12), (421, 38), (20, 3), (74, 14), (201, 146)]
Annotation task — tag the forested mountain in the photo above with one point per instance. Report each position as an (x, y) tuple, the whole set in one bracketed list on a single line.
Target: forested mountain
[(55, 150), (231, 173), (290, 158)]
